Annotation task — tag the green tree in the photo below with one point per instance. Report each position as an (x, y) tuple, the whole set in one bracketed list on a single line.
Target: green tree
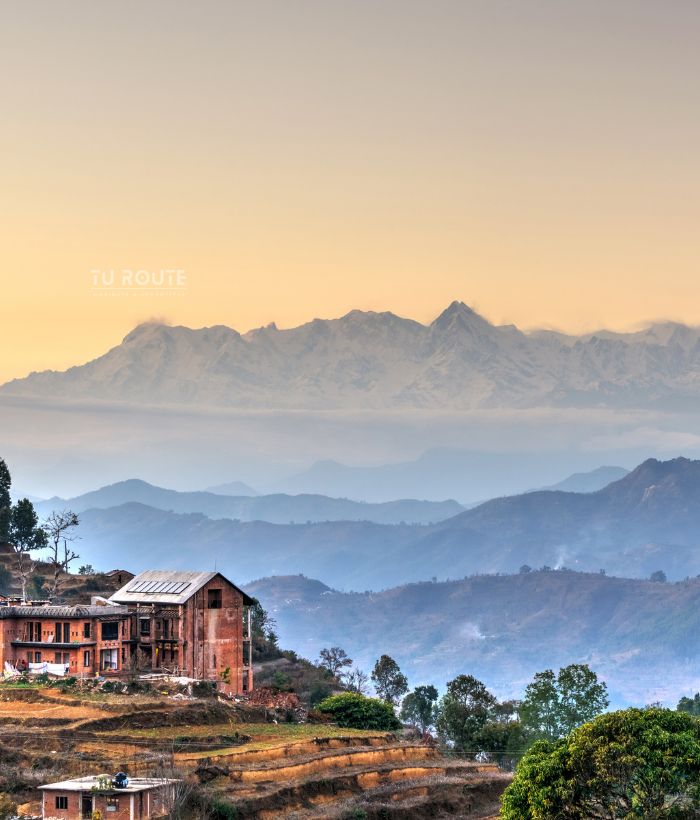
[(658, 576), (464, 710), (86, 569), (25, 535), (418, 707), (555, 704), (690, 705), (637, 763), (389, 681), (5, 502), (354, 711)]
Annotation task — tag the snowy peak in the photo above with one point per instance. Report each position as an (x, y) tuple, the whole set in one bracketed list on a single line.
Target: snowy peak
[(378, 360)]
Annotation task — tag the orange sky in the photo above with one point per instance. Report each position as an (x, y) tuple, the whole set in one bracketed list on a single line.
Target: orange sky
[(301, 158)]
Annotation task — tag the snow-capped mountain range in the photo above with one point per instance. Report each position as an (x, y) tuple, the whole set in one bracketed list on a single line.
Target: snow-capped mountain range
[(368, 360)]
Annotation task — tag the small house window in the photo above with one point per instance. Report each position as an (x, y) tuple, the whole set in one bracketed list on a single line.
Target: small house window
[(61, 801), (110, 630), (86, 658), (214, 598), (86, 630), (112, 804), (144, 626)]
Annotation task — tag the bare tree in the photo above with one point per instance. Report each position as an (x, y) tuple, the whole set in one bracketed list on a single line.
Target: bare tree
[(334, 659), (357, 681), (60, 532)]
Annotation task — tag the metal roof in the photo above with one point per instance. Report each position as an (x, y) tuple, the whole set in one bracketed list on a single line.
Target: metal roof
[(60, 611), (164, 586)]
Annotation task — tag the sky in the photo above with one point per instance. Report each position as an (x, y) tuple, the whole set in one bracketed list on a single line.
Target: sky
[(300, 158)]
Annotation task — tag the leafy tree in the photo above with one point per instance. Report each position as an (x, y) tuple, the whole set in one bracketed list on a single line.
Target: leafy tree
[(502, 736), (525, 568), (690, 705), (59, 528), (554, 705), (5, 502), (354, 711), (418, 707), (263, 635), (659, 577), (334, 659), (86, 569), (389, 681), (464, 711), (25, 535), (637, 763), (357, 681)]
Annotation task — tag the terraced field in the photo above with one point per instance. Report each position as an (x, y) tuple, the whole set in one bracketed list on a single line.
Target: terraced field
[(237, 754)]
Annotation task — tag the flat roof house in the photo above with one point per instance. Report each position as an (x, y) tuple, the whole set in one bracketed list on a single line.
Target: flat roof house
[(189, 624), (83, 797)]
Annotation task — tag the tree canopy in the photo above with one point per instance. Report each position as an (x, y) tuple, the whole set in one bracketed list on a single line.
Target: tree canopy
[(555, 704), (389, 681), (637, 763), (418, 707)]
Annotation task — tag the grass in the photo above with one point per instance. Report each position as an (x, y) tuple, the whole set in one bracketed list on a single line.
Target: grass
[(263, 735)]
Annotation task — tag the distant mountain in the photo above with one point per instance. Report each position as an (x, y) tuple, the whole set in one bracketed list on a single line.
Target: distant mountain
[(367, 360), (639, 636), (232, 488), (467, 475), (280, 509), (590, 481), (648, 520)]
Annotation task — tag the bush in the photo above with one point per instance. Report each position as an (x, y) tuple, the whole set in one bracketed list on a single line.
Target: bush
[(633, 763), (354, 711)]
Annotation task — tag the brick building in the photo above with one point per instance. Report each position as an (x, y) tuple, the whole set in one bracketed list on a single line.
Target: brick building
[(74, 640), (190, 624), (82, 797)]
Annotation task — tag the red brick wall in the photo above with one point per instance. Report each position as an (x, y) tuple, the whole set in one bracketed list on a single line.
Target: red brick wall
[(215, 636)]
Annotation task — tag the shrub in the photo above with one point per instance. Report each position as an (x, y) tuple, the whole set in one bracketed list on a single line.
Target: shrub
[(354, 711)]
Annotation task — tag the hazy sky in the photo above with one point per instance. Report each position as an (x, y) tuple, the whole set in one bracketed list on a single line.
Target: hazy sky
[(538, 160)]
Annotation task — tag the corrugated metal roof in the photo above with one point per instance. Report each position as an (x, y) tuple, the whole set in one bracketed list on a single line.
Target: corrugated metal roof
[(60, 611), (163, 586)]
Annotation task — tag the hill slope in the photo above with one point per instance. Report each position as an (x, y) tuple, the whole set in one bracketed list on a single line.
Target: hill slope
[(648, 520), (639, 635), (378, 360), (276, 509)]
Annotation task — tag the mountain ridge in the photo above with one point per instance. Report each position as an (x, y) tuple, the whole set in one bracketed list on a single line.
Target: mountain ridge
[(370, 360)]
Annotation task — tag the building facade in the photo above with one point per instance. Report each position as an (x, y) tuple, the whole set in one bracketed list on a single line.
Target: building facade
[(193, 624), (73, 640)]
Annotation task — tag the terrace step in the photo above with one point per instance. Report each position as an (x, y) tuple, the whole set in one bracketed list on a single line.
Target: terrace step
[(283, 769), (402, 780)]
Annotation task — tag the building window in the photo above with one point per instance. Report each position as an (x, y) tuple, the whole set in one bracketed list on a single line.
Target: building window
[(110, 630), (214, 598), (112, 804), (61, 801), (144, 626), (109, 660), (86, 630), (86, 658), (61, 657), (35, 631), (34, 657)]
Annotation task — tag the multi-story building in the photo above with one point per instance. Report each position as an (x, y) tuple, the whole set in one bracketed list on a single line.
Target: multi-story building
[(189, 624), (74, 640)]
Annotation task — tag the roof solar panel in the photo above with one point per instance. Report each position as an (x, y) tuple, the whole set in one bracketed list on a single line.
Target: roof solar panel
[(162, 587)]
